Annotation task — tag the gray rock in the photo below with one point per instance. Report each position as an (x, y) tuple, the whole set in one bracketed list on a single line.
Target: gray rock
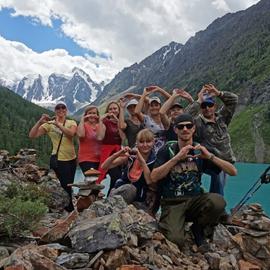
[(108, 206), (3, 253), (25, 156), (222, 237), (58, 247), (106, 232), (233, 262), (73, 260), (213, 260), (59, 198), (225, 264)]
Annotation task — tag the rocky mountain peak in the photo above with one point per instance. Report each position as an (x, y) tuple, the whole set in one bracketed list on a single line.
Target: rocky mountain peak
[(77, 89)]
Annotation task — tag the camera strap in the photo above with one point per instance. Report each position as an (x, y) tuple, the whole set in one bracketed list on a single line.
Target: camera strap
[(60, 140)]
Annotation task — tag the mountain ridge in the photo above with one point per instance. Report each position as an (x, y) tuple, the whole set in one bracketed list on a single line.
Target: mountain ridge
[(76, 89), (232, 52)]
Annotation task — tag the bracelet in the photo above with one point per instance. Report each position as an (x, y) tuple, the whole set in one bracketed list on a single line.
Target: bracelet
[(220, 94), (211, 157)]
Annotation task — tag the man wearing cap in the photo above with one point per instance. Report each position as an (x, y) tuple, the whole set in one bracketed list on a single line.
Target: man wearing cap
[(178, 171), (132, 125), (174, 109), (61, 132), (212, 127)]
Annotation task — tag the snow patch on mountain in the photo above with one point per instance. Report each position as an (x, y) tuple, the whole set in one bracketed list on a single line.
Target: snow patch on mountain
[(76, 89)]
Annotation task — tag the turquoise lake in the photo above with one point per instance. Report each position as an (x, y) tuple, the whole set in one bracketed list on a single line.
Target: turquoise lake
[(236, 187)]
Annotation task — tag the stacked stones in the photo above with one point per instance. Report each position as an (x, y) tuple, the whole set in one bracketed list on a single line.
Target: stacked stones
[(88, 189)]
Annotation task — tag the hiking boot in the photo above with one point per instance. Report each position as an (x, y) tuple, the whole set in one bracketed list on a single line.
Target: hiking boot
[(198, 234), (225, 219)]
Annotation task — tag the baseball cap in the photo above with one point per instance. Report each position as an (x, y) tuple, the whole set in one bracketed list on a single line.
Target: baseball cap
[(60, 103), (185, 117), (156, 99), (208, 99), (132, 102), (177, 105)]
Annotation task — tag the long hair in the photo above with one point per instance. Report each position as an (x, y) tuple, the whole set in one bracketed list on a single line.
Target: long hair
[(110, 103)]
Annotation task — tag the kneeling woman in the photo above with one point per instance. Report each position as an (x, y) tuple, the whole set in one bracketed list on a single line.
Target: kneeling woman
[(137, 165)]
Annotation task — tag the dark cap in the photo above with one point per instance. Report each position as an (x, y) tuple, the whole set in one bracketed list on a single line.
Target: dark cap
[(184, 117), (177, 105)]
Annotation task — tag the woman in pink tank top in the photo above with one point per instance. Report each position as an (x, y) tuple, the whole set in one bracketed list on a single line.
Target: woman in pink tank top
[(90, 146)]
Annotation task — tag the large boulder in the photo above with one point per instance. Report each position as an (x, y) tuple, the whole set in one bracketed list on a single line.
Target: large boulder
[(92, 235)]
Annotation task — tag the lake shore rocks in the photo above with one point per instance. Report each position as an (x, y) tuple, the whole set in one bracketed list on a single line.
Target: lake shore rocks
[(110, 235)]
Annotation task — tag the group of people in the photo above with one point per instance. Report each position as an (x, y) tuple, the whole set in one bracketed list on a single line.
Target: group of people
[(154, 153)]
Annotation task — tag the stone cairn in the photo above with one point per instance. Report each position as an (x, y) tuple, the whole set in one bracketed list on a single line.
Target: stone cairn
[(89, 191)]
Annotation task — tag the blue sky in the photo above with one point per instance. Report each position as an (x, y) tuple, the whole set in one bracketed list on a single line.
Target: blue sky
[(38, 37)]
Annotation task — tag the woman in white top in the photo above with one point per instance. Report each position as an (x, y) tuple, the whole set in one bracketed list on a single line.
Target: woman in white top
[(153, 120)]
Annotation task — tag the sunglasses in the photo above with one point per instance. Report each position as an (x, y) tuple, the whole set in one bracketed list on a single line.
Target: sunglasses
[(58, 107), (182, 126), (205, 105)]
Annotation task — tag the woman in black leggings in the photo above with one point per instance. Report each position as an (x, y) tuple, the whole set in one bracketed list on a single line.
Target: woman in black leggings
[(64, 148)]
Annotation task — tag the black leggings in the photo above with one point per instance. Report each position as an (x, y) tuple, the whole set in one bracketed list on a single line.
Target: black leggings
[(66, 173), (115, 173), (87, 165)]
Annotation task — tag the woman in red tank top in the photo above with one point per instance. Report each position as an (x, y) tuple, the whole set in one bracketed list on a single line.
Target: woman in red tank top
[(89, 147), (111, 137)]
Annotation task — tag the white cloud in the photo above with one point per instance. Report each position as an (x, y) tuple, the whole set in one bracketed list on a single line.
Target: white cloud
[(125, 30), (17, 60), (221, 5)]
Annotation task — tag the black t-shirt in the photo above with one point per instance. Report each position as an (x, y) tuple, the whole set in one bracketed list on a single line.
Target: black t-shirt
[(131, 132), (170, 134), (184, 179)]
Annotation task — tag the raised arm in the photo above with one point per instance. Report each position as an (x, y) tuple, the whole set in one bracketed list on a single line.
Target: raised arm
[(139, 106), (146, 170), (81, 129), (194, 107), (37, 130), (222, 164), (165, 108), (101, 130), (132, 95), (69, 132), (161, 172), (116, 159), (163, 92), (121, 123)]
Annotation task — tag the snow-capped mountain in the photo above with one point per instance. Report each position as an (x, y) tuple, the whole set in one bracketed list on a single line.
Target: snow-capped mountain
[(77, 90)]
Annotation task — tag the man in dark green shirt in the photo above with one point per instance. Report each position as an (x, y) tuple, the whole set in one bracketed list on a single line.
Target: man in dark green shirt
[(178, 171)]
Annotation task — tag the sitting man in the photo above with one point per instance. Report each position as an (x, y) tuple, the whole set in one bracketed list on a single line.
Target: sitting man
[(179, 168)]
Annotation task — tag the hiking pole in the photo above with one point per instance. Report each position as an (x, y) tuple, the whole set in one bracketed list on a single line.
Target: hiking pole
[(264, 179)]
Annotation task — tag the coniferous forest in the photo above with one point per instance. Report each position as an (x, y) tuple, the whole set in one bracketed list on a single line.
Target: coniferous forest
[(17, 116)]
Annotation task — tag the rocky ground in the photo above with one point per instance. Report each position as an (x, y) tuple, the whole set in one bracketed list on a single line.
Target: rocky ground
[(113, 235)]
